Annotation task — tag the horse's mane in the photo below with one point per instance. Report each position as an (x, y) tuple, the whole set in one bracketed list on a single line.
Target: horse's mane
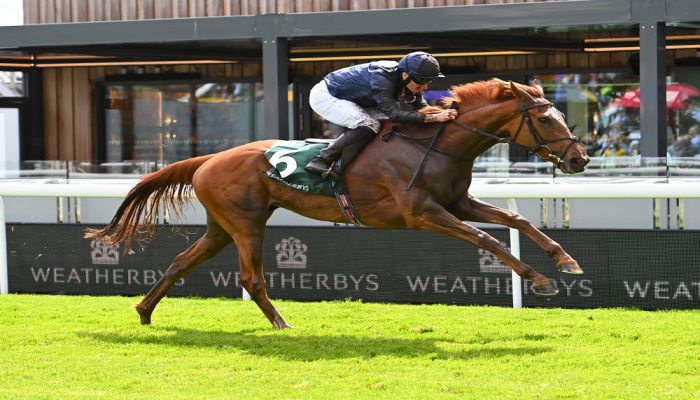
[(476, 94)]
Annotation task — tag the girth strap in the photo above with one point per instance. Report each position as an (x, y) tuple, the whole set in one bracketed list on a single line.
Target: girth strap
[(348, 209), (346, 205)]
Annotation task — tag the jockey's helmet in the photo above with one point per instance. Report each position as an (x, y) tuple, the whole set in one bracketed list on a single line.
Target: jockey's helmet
[(422, 67)]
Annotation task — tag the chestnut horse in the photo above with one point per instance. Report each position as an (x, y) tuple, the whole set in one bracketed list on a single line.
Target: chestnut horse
[(239, 198)]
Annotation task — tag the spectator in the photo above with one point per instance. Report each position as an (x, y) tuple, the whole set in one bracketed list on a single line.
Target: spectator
[(681, 147), (615, 149), (593, 146), (621, 123), (634, 148)]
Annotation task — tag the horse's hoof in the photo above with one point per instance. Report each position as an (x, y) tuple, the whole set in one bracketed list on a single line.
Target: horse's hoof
[(145, 316), (570, 268), (547, 289)]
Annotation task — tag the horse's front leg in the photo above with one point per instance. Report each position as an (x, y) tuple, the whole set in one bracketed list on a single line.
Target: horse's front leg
[(469, 208), (434, 218)]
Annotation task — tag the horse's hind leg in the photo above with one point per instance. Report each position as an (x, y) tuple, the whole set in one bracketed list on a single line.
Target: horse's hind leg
[(208, 246), (473, 209), (250, 248), (245, 221)]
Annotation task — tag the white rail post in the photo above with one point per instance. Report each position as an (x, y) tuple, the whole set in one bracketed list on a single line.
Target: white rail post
[(246, 295), (515, 251), (4, 279)]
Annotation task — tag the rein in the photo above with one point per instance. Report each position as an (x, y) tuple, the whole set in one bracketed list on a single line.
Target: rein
[(536, 136), (385, 137), (435, 136)]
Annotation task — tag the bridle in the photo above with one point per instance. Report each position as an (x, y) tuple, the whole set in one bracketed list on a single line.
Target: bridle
[(536, 136)]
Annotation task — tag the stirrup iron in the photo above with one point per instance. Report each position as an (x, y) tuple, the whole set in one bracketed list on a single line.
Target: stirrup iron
[(325, 174)]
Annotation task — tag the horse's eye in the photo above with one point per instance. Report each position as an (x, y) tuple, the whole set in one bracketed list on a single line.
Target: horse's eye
[(543, 120)]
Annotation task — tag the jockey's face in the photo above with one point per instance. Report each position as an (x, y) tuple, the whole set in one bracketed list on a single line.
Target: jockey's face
[(414, 87)]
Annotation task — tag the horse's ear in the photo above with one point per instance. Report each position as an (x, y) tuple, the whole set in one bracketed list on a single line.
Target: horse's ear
[(536, 84), (521, 94)]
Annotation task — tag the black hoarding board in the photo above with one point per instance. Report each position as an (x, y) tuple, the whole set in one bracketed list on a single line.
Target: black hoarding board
[(660, 269), (645, 269)]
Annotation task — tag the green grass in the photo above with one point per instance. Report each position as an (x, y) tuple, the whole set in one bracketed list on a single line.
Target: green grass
[(94, 347)]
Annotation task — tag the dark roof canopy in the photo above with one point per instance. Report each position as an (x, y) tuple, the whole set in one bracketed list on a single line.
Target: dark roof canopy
[(526, 27)]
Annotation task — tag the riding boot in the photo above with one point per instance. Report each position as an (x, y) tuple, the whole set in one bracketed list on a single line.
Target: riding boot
[(323, 163)]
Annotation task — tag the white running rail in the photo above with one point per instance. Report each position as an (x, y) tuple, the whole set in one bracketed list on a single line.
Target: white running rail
[(584, 189)]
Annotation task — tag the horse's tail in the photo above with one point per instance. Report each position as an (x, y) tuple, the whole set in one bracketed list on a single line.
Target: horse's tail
[(136, 215)]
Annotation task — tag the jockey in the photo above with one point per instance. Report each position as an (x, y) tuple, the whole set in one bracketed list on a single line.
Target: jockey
[(357, 97)]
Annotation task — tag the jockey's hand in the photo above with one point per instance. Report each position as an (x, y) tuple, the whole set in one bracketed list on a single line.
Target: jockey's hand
[(443, 116)]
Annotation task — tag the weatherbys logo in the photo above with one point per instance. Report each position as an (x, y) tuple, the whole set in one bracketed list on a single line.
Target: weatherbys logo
[(291, 254), (103, 255), (490, 263)]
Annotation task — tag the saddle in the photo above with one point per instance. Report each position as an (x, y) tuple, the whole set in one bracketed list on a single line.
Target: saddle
[(288, 159), (349, 153), (319, 141)]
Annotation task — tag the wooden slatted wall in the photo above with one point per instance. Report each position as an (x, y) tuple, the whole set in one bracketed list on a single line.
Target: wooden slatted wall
[(50, 11)]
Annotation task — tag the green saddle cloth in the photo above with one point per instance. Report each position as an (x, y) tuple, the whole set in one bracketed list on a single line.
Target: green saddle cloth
[(288, 160)]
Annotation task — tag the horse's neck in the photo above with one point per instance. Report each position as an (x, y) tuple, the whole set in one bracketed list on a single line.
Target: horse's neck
[(491, 118)]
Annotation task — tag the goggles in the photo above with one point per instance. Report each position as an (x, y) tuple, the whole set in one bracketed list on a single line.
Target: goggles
[(422, 81)]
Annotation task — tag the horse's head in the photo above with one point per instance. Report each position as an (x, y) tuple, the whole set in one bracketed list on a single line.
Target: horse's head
[(549, 137)]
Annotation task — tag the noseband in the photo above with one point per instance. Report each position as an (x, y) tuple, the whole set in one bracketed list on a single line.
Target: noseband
[(539, 140)]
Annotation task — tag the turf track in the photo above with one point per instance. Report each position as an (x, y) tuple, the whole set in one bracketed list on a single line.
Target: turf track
[(93, 347)]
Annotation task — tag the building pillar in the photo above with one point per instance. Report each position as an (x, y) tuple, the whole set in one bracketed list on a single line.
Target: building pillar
[(652, 77), (275, 82)]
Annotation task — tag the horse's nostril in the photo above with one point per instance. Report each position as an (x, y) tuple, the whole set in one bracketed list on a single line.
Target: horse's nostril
[(578, 162)]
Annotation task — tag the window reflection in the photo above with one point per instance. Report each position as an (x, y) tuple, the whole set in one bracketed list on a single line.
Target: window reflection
[(174, 122), (603, 109), (324, 129), (11, 84), (495, 158), (683, 109), (597, 110)]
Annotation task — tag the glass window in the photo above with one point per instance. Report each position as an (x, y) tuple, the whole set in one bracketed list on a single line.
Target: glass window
[(493, 159), (173, 122), (603, 109), (324, 129), (11, 84), (599, 109), (683, 114), (9, 140)]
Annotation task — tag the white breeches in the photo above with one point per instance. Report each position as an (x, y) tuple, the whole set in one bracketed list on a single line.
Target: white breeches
[(343, 112)]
